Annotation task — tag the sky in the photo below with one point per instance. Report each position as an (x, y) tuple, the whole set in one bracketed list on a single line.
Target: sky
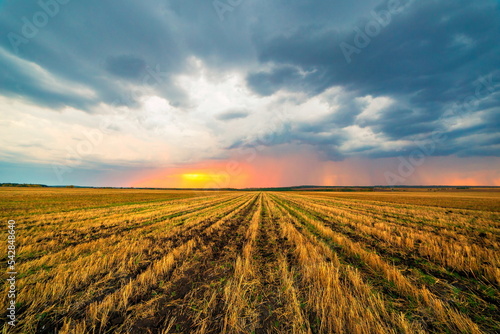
[(240, 93)]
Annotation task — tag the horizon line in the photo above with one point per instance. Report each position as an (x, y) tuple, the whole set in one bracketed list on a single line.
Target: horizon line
[(15, 184)]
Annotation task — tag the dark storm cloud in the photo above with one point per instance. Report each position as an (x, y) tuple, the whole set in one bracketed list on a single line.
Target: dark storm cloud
[(267, 83), (125, 66), (427, 58), (398, 123), (431, 50), (233, 114), (22, 79), (84, 42)]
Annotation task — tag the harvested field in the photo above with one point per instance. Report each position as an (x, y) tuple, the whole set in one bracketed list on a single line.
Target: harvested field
[(157, 261)]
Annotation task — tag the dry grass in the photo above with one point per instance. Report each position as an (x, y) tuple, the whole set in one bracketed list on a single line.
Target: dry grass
[(153, 261)]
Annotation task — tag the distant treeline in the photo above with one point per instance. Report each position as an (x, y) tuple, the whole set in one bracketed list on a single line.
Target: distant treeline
[(21, 185), (294, 188)]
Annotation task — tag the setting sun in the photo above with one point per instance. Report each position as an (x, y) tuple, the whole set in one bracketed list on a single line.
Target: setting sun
[(196, 177), (206, 179)]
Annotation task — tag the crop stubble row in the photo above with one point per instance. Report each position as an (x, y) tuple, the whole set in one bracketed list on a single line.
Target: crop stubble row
[(259, 262)]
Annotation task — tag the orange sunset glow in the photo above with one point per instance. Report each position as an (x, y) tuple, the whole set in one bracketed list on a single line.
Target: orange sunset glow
[(308, 169)]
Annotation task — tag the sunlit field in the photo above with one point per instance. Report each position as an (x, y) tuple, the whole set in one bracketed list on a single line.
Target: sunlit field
[(158, 261)]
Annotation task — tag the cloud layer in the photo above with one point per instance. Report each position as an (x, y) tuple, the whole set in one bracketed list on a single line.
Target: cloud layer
[(169, 83)]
